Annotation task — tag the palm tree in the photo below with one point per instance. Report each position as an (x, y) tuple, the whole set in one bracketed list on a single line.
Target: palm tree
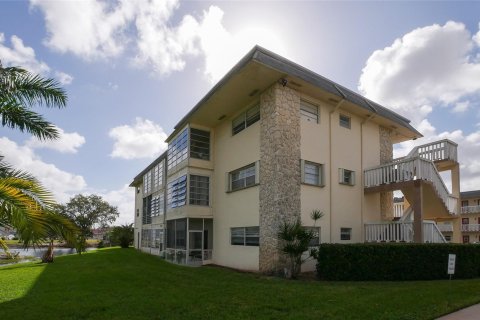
[(24, 203), (19, 91)]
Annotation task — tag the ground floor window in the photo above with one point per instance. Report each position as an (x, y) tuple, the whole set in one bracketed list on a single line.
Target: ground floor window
[(245, 236), (316, 236), (466, 239), (152, 238), (345, 233)]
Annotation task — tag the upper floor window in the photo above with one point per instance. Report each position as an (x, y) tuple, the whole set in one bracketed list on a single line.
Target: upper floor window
[(177, 149), (147, 182), (199, 144), (177, 192), (345, 121), (309, 111), (147, 210), (346, 177), (464, 203), (246, 119), (157, 205), (199, 190), (243, 177), (158, 175), (312, 173)]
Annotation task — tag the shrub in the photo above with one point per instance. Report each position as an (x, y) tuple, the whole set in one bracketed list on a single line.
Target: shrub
[(100, 244), (396, 261), (122, 235)]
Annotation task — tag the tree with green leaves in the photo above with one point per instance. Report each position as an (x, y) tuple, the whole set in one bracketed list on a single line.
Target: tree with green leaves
[(122, 235), (295, 241), (88, 212), (24, 203)]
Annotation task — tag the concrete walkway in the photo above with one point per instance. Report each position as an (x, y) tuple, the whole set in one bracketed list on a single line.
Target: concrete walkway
[(470, 313)]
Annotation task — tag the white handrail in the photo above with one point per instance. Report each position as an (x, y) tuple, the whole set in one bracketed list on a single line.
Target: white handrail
[(394, 231), (470, 209), (409, 169), (435, 151)]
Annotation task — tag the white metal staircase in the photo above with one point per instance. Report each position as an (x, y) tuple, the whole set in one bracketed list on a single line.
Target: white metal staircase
[(419, 164)]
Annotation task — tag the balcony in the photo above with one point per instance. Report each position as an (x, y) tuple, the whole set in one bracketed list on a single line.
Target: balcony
[(470, 227), (470, 209), (445, 227)]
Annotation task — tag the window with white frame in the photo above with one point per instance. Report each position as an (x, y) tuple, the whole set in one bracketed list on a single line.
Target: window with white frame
[(345, 233), (309, 111), (316, 236), (199, 144), (199, 190), (243, 177), (312, 173), (177, 192), (178, 149), (345, 121), (245, 236), (246, 119), (147, 182), (158, 175), (346, 177)]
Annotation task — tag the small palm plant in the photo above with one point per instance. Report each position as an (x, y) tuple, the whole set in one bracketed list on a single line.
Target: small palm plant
[(295, 240)]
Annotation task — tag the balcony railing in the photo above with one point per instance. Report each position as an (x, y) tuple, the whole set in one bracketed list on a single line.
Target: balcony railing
[(445, 227), (471, 209), (436, 151), (401, 232), (470, 227), (193, 257)]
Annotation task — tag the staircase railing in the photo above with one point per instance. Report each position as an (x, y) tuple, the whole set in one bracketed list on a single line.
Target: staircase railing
[(394, 231), (409, 169)]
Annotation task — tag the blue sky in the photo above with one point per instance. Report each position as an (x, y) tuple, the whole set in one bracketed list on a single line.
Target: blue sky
[(132, 69)]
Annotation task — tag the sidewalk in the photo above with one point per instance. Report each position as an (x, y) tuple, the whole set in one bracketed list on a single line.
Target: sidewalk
[(469, 313)]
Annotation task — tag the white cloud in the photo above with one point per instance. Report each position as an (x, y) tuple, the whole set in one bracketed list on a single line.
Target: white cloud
[(20, 55), (90, 29), (433, 65), (143, 139), (61, 183), (428, 68), (63, 78), (66, 143), (144, 30), (461, 107), (124, 200)]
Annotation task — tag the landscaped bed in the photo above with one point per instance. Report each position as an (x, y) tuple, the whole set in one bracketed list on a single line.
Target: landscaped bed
[(126, 284)]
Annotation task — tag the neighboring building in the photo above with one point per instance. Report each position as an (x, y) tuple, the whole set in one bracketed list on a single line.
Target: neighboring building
[(271, 142), (470, 215)]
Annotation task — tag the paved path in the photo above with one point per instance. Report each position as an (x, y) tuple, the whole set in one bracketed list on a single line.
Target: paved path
[(470, 313)]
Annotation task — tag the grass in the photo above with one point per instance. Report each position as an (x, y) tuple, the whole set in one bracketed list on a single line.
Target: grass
[(126, 284)]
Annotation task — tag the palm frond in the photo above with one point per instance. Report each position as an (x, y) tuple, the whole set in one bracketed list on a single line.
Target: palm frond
[(30, 89), (16, 116)]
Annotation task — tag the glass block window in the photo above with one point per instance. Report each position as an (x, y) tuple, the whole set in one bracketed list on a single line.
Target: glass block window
[(246, 119), (309, 111), (178, 149), (177, 192), (199, 190), (245, 236), (243, 177), (199, 144)]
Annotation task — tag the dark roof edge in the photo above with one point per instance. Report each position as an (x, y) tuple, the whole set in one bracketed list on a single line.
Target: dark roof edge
[(275, 61), (139, 177), (470, 194)]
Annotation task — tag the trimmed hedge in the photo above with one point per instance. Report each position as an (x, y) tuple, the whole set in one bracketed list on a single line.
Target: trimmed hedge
[(396, 261)]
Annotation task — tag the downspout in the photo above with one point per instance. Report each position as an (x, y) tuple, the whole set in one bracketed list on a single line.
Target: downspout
[(331, 163), (362, 200)]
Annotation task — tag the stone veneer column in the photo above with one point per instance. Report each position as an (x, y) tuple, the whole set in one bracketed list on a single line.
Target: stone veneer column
[(279, 170), (386, 156)]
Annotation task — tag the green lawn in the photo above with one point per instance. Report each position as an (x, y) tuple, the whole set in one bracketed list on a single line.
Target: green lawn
[(126, 284)]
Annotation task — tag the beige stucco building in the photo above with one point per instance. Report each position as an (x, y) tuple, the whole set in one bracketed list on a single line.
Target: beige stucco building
[(271, 142)]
